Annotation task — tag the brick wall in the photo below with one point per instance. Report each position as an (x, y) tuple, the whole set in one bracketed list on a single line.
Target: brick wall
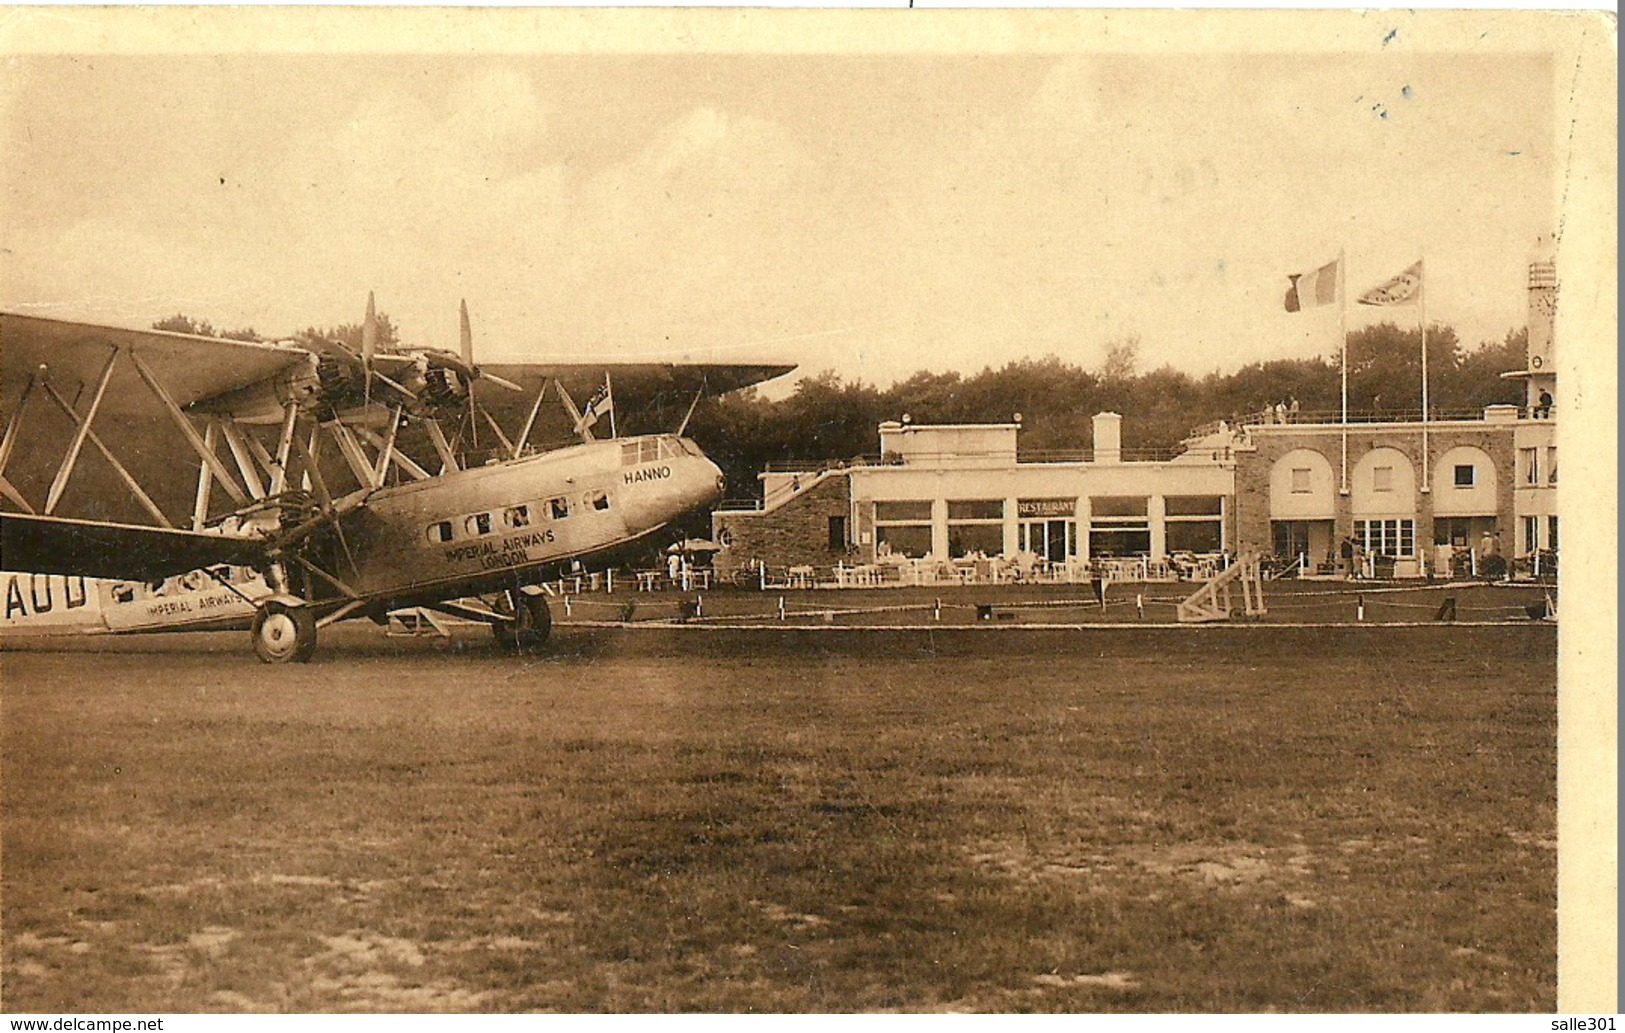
[(794, 534), (1252, 509)]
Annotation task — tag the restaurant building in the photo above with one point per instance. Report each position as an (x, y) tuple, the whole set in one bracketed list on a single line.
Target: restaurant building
[(1361, 496), (954, 492)]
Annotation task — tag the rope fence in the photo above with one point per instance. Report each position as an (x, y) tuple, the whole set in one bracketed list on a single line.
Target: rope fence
[(1351, 605)]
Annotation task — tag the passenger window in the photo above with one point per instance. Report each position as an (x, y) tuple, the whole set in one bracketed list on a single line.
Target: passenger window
[(440, 532), (478, 524), (517, 517), (560, 507), (598, 500)]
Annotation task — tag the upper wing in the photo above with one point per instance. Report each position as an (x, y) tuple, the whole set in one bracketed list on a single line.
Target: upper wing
[(642, 380), (74, 354), (54, 545)]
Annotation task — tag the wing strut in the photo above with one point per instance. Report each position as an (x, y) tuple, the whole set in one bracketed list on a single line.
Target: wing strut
[(448, 458), (386, 452), (71, 459), (284, 444), (273, 470), (399, 458), (205, 483), (575, 414), (14, 425), (240, 452), (492, 420), (118, 467), (530, 421), (357, 459), (211, 460), (10, 491)]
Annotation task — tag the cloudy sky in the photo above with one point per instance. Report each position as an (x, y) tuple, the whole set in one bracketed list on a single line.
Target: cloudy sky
[(874, 213)]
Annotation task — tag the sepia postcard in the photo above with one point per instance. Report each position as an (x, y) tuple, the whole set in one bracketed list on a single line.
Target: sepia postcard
[(607, 511)]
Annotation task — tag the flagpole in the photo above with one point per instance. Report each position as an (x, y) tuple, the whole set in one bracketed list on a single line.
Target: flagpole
[(609, 396), (1343, 343), (1422, 311)]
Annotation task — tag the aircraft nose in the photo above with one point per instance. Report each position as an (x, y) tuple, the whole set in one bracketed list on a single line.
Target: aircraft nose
[(719, 483)]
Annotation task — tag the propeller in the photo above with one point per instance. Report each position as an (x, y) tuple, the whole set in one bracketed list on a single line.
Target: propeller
[(462, 363), (369, 347)]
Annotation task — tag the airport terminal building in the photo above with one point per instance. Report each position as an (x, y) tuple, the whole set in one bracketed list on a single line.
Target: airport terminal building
[(1455, 494)]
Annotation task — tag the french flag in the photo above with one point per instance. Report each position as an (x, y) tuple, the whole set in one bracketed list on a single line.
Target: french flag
[(1312, 289)]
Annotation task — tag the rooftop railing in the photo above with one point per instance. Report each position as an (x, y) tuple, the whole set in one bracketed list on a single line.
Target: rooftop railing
[(1270, 417)]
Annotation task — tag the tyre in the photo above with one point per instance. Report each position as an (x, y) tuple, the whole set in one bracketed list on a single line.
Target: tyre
[(284, 634), (533, 622), (502, 631)]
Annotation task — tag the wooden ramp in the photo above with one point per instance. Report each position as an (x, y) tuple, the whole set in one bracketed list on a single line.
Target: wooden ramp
[(1212, 602)]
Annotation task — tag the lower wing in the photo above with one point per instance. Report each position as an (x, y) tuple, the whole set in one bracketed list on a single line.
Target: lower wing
[(125, 552)]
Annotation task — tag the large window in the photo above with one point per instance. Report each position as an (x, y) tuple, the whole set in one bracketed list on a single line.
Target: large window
[(902, 512), (1119, 526), (903, 528), (1194, 523), (1290, 537), (1529, 459), (975, 526), (1456, 531), (640, 450), (1387, 537)]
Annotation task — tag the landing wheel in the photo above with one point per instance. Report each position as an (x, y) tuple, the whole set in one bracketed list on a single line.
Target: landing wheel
[(531, 625), (284, 634)]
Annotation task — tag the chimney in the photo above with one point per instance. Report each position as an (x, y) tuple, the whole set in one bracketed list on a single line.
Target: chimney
[(1108, 437)]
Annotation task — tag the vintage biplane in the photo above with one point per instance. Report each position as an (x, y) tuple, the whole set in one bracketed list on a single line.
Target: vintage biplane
[(355, 481)]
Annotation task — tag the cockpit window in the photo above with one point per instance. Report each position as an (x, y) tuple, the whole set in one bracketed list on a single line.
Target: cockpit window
[(629, 453)]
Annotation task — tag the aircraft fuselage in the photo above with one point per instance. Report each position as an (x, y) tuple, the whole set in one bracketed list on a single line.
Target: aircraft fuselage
[(490, 528)]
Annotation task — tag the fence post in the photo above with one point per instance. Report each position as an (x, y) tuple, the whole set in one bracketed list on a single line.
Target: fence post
[(567, 606), (1359, 607), (609, 581), (699, 605), (936, 610), (781, 607), (1139, 604)]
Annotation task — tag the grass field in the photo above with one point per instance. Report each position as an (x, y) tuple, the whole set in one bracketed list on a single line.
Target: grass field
[(796, 820)]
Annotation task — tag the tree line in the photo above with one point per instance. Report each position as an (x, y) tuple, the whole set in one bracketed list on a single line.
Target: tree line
[(829, 417)]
